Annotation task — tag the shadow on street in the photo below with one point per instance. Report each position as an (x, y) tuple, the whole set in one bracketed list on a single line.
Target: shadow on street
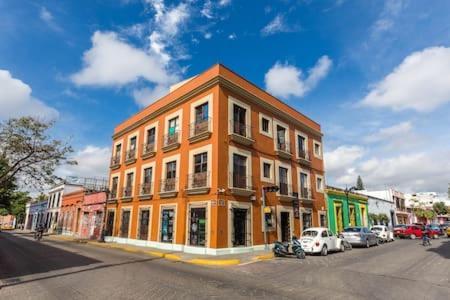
[(443, 249), (20, 256)]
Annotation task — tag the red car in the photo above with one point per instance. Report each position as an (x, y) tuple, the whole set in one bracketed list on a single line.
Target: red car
[(416, 231), (399, 229)]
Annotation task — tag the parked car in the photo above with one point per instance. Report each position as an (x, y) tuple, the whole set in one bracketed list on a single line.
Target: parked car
[(448, 232), (320, 240), (416, 231), (399, 229), (360, 236), (434, 231), (383, 233)]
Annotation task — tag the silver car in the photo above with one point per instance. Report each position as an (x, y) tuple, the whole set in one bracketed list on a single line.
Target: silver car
[(360, 236)]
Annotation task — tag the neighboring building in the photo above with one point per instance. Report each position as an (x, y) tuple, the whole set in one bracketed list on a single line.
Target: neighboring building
[(402, 214), (55, 195), (426, 200), (37, 214), (346, 210), (27, 224), (71, 212), (7, 222), (92, 208), (187, 171), (381, 206)]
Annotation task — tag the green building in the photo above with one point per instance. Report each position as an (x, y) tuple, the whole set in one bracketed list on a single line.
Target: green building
[(345, 210)]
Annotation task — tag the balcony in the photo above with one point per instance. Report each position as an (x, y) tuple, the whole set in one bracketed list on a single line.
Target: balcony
[(198, 183), (241, 133), (283, 150), (112, 198), (127, 194), (305, 195), (115, 162), (145, 191), (304, 158), (148, 150), (240, 185), (171, 141), (168, 188), (285, 192), (130, 157), (200, 130)]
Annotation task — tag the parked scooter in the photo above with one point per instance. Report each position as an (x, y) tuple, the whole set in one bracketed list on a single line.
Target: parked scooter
[(282, 249)]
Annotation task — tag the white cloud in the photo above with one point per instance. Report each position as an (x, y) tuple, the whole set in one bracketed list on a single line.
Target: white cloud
[(278, 24), (342, 158), (207, 10), (16, 99), (395, 131), (387, 17), (113, 62), (224, 2), (92, 161), (147, 96), (284, 80), (421, 82), (48, 18)]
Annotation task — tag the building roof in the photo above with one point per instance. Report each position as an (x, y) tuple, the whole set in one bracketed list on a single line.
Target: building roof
[(217, 74), (339, 191)]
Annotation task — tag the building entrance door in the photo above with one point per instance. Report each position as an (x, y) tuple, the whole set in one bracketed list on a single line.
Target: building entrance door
[(143, 224), (339, 219), (239, 226), (125, 224), (197, 229), (285, 226), (110, 223), (167, 222)]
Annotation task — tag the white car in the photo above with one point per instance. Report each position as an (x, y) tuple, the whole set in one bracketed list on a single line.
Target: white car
[(320, 240), (383, 233)]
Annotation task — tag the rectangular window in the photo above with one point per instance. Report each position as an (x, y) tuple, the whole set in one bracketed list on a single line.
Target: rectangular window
[(301, 144), (281, 137), (323, 220), (239, 171), (125, 222), (197, 229), (118, 150), (171, 174), (167, 225), (317, 149), (304, 185), (265, 125), (143, 224), (306, 220), (239, 121), (146, 188), (129, 185), (319, 184), (151, 134), (114, 185), (266, 170), (201, 113), (283, 178), (173, 126), (133, 143), (148, 175), (201, 162)]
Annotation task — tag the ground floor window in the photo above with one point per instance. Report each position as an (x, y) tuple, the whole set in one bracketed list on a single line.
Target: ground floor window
[(144, 217), (124, 224), (306, 220), (352, 215), (285, 223), (339, 214), (322, 220), (239, 236), (109, 223), (167, 225), (197, 228)]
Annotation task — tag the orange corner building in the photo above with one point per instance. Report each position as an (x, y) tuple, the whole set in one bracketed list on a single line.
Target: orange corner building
[(187, 172)]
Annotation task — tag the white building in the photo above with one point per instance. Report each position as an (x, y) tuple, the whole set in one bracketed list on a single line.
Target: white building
[(395, 198), (55, 195), (424, 200), (379, 205), (36, 214)]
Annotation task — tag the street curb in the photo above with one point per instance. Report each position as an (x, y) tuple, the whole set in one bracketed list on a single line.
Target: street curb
[(213, 262), (264, 257)]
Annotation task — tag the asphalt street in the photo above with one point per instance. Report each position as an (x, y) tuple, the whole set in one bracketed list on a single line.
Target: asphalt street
[(67, 270)]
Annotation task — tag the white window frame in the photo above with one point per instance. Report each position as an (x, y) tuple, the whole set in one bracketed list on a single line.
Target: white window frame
[(279, 164), (130, 208), (128, 171), (207, 99), (261, 131), (208, 150), (148, 127), (141, 179), (263, 160), (248, 113), (308, 183), (179, 114), (161, 208), (165, 160), (320, 155), (119, 142), (130, 136), (234, 150), (275, 137), (321, 190), (297, 133), (119, 188)]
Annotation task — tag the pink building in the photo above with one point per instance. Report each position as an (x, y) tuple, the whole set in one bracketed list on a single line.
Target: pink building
[(92, 209), (7, 222)]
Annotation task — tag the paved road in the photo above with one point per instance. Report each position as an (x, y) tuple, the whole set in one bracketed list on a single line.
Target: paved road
[(67, 270)]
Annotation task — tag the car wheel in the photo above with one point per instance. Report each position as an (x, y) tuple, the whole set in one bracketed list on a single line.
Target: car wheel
[(342, 247), (301, 255), (324, 251), (413, 236), (378, 242), (367, 243)]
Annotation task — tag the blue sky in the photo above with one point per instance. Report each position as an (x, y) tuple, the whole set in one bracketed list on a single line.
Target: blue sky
[(374, 74)]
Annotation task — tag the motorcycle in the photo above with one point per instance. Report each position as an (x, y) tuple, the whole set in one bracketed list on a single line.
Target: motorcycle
[(38, 234), (426, 240), (282, 249)]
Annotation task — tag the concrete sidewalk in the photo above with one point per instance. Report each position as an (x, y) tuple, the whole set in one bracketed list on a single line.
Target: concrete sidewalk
[(197, 259)]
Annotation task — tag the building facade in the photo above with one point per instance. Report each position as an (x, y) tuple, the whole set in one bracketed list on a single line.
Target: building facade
[(71, 213), (37, 214), (187, 171), (380, 206), (7, 222), (93, 207), (402, 215), (346, 210)]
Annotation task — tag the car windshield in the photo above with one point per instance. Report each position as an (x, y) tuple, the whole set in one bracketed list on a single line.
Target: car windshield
[(352, 229), (311, 233), (377, 229)]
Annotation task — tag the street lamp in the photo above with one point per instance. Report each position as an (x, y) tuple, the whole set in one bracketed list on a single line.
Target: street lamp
[(347, 191)]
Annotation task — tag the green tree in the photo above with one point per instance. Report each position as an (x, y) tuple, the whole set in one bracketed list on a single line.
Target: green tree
[(440, 208), (384, 219), (359, 184), (425, 213), (373, 218), (17, 205), (28, 152)]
